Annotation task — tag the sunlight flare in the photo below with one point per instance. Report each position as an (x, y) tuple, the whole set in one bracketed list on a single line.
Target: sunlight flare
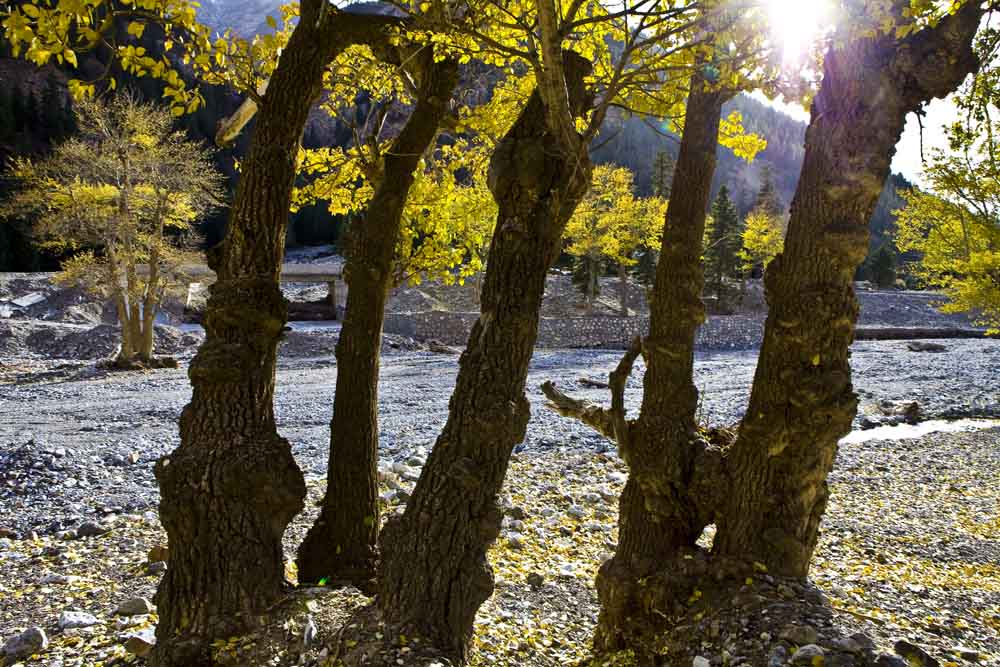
[(796, 24)]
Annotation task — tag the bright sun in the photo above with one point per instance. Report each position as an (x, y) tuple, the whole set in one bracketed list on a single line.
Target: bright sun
[(796, 23)]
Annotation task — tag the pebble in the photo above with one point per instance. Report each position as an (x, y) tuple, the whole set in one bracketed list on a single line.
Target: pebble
[(515, 541), (134, 607), (914, 655), (92, 529), (701, 662), (807, 655), (59, 579), (141, 643), (76, 619), (29, 642), (157, 567), (800, 635)]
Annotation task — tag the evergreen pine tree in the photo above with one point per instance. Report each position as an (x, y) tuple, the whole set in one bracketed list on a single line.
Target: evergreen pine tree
[(768, 199), (723, 242), (883, 267)]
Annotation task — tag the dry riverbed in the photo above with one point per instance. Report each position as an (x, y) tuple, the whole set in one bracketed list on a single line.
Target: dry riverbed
[(910, 548)]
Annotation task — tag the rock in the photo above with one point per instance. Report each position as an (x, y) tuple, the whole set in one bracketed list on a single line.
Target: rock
[(890, 661), (440, 348), (966, 653), (141, 643), (863, 640), (848, 645), (515, 541), (535, 580), (58, 579), (576, 512), (787, 592), (158, 567), (777, 657), (516, 512), (309, 632), (923, 346), (29, 642), (91, 529), (910, 411), (914, 655), (76, 619), (134, 607), (800, 635), (701, 662), (810, 654)]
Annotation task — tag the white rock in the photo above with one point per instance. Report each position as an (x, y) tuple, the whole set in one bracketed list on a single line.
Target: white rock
[(76, 619)]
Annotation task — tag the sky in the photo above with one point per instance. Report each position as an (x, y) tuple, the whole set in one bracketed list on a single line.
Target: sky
[(907, 160)]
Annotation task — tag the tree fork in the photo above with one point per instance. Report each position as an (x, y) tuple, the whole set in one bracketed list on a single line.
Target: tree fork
[(674, 470), (434, 573), (802, 401), (342, 545)]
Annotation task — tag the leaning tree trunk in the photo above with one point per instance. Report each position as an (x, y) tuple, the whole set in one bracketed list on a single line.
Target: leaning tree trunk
[(659, 512), (802, 401), (231, 487), (342, 545), (434, 573)]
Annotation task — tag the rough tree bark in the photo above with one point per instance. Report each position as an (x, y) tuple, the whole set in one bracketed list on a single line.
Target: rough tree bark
[(802, 401), (434, 573), (231, 487), (342, 545), (659, 511)]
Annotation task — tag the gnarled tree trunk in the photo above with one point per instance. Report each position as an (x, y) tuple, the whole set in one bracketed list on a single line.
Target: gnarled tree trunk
[(231, 487), (659, 512), (342, 545), (434, 573), (803, 401)]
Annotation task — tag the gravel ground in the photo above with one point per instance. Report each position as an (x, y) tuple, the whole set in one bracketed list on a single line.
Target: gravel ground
[(909, 551), (82, 435)]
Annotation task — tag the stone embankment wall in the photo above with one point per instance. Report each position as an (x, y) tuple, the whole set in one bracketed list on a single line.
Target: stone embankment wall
[(719, 333)]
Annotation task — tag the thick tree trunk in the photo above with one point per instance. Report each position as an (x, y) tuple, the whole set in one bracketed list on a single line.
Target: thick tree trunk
[(342, 545), (434, 573), (231, 487), (660, 512), (802, 401)]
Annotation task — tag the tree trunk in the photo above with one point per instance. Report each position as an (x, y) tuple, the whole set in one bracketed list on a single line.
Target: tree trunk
[(434, 573), (128, 345), (591, 284), (623, 289), (659, 513), (231, 487), (342, 545), (802, 401), (150, 303)]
